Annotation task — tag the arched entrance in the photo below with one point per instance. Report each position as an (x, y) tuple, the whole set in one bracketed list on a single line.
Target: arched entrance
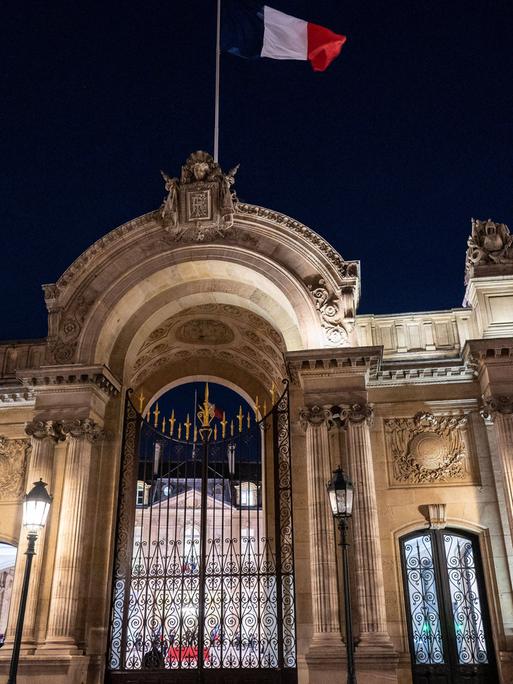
[(204, 568)]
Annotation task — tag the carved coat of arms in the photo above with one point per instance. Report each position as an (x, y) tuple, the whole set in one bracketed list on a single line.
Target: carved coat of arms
[(200, 205)]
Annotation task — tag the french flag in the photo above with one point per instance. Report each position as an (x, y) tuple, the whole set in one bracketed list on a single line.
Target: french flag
[(251, 30)]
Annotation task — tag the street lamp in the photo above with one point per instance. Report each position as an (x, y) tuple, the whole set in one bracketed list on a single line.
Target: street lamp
[(340, 491), (36, 505)]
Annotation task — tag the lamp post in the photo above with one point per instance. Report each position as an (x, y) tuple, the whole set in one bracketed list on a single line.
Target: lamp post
[(340, 491), (36, 505)]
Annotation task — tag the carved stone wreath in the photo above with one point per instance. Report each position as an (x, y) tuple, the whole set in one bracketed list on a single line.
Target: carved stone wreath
[(13, 461), (426, 448)]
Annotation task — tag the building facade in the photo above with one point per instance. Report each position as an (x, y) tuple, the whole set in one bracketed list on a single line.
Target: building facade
[(418, 409)]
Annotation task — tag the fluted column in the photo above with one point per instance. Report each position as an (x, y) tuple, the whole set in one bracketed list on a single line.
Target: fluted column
[(499, 411), (323, 566), (44, 436), (64, 604), (370, 592)]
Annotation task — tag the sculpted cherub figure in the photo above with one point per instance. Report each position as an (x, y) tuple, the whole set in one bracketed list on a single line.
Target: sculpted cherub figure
[(169, 211)]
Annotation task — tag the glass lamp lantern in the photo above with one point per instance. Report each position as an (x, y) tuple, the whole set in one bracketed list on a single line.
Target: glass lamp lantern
[(36, 505), (340, 491)]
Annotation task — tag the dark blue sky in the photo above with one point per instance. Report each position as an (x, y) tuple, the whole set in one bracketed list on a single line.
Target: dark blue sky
[(387, 154)]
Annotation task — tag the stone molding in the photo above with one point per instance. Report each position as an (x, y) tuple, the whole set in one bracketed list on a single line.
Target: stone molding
[(488, 351), (71, 375), (45, 429), (20, 396), (426, 449), (326, 362), (83, 428), (13, 463)]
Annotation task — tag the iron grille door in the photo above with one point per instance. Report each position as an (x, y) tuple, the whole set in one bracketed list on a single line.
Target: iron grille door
[(203, 586), (448, 622)]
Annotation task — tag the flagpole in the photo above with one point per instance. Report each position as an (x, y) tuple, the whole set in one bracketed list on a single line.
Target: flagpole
[(218, 79)]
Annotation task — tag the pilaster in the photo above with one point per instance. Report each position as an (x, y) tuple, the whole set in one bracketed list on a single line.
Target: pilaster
[(326, 640), (63, 630), (44, 436)]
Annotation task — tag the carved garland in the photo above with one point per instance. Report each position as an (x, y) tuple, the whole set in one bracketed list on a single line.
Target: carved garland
[(427, 448), (13, 463)]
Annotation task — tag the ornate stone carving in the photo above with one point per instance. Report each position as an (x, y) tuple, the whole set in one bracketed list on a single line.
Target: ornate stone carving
[(13, 462), (204, 331), (494, 405), (427, 448), (331, 311), (200, 206), (83, 428), (316, 415), (62, 347), (489, 243), (45, 429), (437, 516), (358, 413)]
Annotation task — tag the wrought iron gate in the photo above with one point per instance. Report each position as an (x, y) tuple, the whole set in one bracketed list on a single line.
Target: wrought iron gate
[(203, 587)]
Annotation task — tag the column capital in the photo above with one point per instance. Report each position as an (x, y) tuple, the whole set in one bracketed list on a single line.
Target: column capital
[(83, 428), (358, 413), (317, 415), (45, 429), (496, 404)]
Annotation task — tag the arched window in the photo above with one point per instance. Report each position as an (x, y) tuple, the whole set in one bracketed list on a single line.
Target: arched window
[(448, 622), (7, 563)]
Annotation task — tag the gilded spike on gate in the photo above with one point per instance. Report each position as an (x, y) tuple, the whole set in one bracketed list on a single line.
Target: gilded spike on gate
[(240, 418), (206, 408), (257, 407), (187, 428), (179, 431), (224, 423), (172, 422), (195, 433), (273, 393), (215, 431), (248, 418), (141, 402), (164, 424), (231, 428), (156, 414), (265, 409)]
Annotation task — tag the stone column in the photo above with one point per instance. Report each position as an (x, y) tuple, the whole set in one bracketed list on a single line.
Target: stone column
[(326, 639), (44, 436), (366, 548), (61, 634), (499, 410)]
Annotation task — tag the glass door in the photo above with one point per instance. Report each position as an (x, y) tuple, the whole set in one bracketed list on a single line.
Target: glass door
[(448, 621)]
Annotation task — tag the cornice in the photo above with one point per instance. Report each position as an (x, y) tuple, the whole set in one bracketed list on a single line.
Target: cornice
[(16, 396), (497, 350), (423, 375), (342, 360), (69, 377)]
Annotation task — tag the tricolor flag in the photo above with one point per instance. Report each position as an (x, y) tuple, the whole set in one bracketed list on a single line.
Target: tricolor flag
[(250, 30)]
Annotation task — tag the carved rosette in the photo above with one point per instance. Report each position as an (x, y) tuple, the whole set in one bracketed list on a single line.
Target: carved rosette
[(427, 448), (45, 429), (13, 463), (83, 428), (493, 405)]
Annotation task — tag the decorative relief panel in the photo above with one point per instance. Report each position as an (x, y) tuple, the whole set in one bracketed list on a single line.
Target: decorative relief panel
[(13, 462), (427, 449)]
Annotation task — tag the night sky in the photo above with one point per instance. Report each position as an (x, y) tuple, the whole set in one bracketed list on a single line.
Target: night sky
[(388, 154)]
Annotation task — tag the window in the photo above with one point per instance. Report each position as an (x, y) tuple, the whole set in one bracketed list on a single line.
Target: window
[(247, 494), (143, 493)]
